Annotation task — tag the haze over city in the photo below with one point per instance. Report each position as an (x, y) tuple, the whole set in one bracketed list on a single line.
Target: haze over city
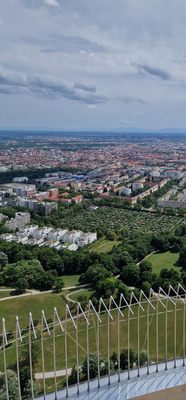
[(93, 65)]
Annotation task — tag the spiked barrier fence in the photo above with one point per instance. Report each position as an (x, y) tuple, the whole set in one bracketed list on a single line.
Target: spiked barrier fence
[(148, 321)]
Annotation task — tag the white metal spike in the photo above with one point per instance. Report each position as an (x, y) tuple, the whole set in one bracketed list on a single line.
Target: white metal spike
[(148, 300), (92, 306), (59, 321), (71, 317), (167, 295), (101, 301), (45, 322), (32, 325), (126, 302), (176, 293), (113, 301), (137, 301), (158, 298), (180, 286), (18, 329), (4, 332), (5, 343), (83, 313)]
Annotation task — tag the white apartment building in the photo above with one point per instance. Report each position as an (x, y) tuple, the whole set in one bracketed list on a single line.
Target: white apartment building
[(20, 221)]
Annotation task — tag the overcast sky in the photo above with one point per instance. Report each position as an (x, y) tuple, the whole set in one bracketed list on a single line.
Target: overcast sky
[(93, 64)]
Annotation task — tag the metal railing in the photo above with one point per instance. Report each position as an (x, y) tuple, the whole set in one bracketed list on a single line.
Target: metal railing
[(146, 319)]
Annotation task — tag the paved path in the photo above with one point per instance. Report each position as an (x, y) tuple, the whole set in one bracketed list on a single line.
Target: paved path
[(36, 292), (76, 291), (50, 374)]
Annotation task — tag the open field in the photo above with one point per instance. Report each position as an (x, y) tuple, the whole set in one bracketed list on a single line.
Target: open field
[(105, 218), (14, 307), (164, 260), (5, 293), (70, 280), (23, 305), (104, 245)]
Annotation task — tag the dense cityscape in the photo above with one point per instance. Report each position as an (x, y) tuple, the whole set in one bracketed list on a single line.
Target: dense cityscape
[(96, 219)]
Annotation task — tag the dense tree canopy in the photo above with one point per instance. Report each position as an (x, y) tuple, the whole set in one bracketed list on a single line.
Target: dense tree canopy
[(3, 260), (12, 386), (43, 266), (27, 274), (182, 257)]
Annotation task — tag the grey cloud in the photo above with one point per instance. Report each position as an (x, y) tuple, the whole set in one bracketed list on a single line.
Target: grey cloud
[(158, 72), (86, 88), (10, 90), (41, 3), (72, 44), (128, 100), (51, 3), (47, 87)]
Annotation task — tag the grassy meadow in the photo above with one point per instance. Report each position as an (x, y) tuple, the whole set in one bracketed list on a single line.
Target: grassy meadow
[(164, 260)]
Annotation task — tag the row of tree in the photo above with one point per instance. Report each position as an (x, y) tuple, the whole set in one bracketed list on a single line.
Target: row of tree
[(93, 363), (42, 267)]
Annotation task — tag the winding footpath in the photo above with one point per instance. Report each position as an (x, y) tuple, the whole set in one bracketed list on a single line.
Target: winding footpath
[(37, 292)]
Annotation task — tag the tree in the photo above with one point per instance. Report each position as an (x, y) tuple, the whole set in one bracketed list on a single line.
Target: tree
[(83, 300), (93, 365), (50, 259), (183, 277), (124, 233), (180, 230), (73, 376), (146, 276), (142, 358), (95, 274), (145, 265), (182, 257), (111, 235), (124, 358), (3, 260), (59, 285), (121, 259), (130, 274), (121, 289), (114, 360), (161, 243), (146, 286), (169, 277), (25, 369), (106, 288), (12, 386), (21, 285), (31, 271), (1, 279)]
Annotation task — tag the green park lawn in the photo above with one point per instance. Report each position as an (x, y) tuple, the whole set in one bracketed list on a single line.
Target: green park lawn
[(22, 306), (4, 293), (164, 260), (104, 245), (35, 303), (70, 280)]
